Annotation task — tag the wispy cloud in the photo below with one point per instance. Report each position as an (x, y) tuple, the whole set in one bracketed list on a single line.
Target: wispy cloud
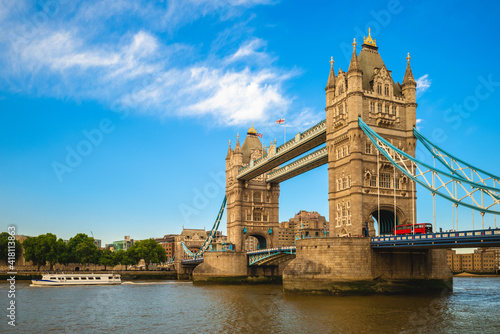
[(423, 84), (140, 70)]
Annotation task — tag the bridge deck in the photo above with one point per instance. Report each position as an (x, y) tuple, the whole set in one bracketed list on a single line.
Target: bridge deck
[(459, 239), (300, 144)]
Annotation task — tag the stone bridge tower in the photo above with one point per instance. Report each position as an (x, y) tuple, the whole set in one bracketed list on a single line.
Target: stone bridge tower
[(362, 183), (252, 206)]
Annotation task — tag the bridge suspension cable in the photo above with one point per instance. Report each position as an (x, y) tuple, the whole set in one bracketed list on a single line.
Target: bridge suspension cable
[(451, 184), (457, 166), (210, 236)]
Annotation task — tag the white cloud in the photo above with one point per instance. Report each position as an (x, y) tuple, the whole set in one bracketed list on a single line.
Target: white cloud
[(140, 72), (180, 12), (250, 50), (418, 125), (238, 97), (423, 84)]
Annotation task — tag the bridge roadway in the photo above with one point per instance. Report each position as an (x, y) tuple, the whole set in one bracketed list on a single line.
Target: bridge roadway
[(300, 144), (456, 239)]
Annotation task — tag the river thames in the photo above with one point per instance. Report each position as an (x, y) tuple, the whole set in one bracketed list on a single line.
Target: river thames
[(181, 307)]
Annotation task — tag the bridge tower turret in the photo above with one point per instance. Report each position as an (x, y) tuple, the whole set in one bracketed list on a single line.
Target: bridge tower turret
[(362, 184), (252, 206)]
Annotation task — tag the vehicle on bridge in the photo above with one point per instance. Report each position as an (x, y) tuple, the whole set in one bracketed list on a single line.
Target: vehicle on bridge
[(420, 228)]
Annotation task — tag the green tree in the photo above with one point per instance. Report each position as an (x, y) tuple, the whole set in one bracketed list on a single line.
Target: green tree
[(123, 258), (47, 244), (62, 248), (148, 250), (86, 252), (42, 249), (107, 258), (72, 256), (4, 246), (33, 253)]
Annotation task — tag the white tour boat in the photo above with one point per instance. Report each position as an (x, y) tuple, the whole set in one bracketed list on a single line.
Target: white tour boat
[(78, 279)]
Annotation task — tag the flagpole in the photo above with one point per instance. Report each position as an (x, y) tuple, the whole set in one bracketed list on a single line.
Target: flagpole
[(284, 125)]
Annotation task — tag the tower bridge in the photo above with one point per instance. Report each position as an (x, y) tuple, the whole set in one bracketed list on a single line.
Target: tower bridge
[(369, 137)]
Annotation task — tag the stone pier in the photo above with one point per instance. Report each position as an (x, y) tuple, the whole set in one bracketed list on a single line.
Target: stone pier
[(350, 266)]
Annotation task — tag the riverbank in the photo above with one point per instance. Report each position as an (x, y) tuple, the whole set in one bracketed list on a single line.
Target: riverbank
[(475, 275), (126, 275)]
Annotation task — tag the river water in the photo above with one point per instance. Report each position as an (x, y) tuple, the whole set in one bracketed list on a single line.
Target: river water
[(181, 307)]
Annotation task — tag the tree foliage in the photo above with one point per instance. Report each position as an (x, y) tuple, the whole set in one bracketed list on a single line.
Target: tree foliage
[(46, 248), (149, 250), (4, 246)]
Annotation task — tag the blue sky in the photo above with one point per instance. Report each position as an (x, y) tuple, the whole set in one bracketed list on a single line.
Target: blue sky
[(115, 116)]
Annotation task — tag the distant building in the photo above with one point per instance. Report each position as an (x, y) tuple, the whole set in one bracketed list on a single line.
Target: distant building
[(303, 225), (495, 251), (123, 244), (481, 261), (97, 242), (168, 244), (251, 244)]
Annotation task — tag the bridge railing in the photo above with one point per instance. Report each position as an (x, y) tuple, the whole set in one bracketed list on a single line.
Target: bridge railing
[(453, 238), (318, 154), (272, 250)]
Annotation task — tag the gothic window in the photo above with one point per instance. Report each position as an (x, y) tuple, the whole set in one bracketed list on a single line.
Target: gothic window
[(394, 110), (386, 90), (249, 216), (387, 109), (348, 149), (379, 88), (256, 197), (368, 148), (343, 152), (341, 109), (349, 182), (385, 180), (379, 108), (256, 216), (338, 185), (338, 154), (373, 181), (396, 183), (245, 197), (372, 106), (264, 218), (344, 183)]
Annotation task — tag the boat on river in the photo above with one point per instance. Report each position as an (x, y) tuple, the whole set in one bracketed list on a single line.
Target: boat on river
[(78, 279)]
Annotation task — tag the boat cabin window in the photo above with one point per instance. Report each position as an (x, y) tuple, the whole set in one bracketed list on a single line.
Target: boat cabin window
[(110, 277), (52, 278), (97, 278)]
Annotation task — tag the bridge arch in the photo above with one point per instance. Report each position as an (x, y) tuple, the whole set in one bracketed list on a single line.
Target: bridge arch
[(262, 241), (385, 223)]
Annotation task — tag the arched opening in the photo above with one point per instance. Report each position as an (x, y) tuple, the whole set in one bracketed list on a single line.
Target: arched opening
[(385, 225), (255, 242)]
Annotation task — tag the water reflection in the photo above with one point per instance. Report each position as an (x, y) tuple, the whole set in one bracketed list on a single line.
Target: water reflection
[(176, 307)]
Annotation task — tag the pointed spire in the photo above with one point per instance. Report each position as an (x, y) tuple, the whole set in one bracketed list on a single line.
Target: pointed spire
[(369, 40), (408, 74), (252, 130), (331, 78), (229, 151), (237, 148), (354, 66)]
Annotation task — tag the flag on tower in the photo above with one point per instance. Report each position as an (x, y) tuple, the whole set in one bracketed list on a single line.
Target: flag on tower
[(280, 121), (259, 135)]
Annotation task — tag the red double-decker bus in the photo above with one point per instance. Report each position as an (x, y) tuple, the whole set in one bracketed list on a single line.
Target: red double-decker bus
[(420, 228)]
